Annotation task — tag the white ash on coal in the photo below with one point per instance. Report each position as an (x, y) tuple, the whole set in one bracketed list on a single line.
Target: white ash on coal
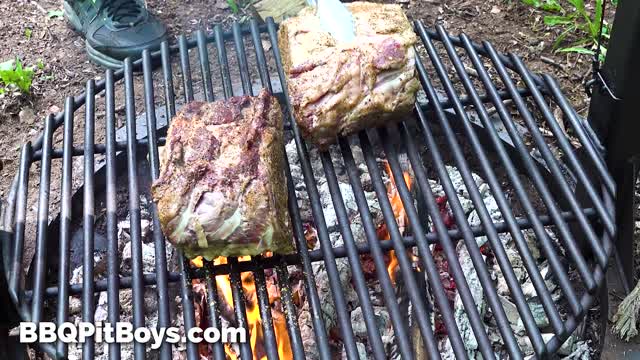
[(471, 278)]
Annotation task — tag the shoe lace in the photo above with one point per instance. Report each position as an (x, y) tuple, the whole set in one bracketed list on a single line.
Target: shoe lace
[(123, 12)]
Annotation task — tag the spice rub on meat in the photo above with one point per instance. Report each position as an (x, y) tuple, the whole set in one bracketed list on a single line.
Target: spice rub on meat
[(222, 189), (341, 88)]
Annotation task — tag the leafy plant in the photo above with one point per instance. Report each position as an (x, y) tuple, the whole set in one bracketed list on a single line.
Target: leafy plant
[(234, 6), (14, 75), (573, 17), (27, 33)]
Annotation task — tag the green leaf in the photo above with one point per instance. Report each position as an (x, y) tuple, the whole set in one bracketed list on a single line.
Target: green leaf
[(578, 4), (562, 36), (233, 6), (579, 50), (27, 33), (553, 20), (551, 6), (40, 64), (12, 73), (546, 5), (534, 3), (52, 14)]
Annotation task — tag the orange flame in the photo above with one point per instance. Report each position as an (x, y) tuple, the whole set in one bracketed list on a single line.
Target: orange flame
[(400, 215), (254, 321)]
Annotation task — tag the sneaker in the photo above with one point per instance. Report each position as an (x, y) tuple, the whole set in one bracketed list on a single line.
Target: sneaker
[(114, 29)]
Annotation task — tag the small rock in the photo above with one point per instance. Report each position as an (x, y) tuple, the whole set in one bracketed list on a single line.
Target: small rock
[(362, 351), (357, 321), (568, 346), (27, 116), (148, 257), (222, 5), (495, 10), (462, 320), (75, 305), (100, 313), (538, 314), (532, 243), (581, 351), (511, 311), (537, 311)]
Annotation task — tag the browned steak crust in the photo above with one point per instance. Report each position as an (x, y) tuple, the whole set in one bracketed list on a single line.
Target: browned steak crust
[(222, 189), (340, 88)]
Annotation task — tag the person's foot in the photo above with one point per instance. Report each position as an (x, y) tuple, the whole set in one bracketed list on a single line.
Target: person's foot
[(114, 29)]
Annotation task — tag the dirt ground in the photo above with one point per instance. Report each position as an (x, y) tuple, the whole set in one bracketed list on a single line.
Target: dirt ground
[(509, 25)]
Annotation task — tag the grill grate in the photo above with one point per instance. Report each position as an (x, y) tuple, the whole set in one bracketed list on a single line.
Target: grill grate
[(439, 120)]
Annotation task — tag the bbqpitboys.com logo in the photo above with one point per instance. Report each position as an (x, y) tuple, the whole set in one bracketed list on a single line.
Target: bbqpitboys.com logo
[(124, 332)]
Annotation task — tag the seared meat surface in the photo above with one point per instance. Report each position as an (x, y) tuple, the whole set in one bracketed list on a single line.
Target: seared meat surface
[(222, 189), (341, 88)]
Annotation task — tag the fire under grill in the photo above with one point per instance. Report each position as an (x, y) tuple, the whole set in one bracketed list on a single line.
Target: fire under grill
[(473, 227)]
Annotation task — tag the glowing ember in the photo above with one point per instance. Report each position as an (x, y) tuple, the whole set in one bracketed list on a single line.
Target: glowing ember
[(256, 335), (401, 218)]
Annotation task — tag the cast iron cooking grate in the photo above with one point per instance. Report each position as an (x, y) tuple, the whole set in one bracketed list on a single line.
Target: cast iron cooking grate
[(474, 96)]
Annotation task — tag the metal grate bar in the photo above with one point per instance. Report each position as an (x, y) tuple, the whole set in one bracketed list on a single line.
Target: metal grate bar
[(214, 310), (65, 224), (134, 208), (205, 68), (265, 311), (480, 207), (164, 319), (260, 57), (485, 218), (43, 220), (186, 68), (535, 176), (290, 313), (236, 283), (560, 180), (314, 301), (188, 313), (354, 260), (238, 305), (567, 149), (420, 303), (551, 161), (398, 320), (520, 242), (167, 76), (344, 321), (340, 252), (537, 222), (113, 253), (186, 293), (245, 76), (21, 214), (281, 272), (262, 294), (224, 66), (88, 307), (576, 124), (212, 296)]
